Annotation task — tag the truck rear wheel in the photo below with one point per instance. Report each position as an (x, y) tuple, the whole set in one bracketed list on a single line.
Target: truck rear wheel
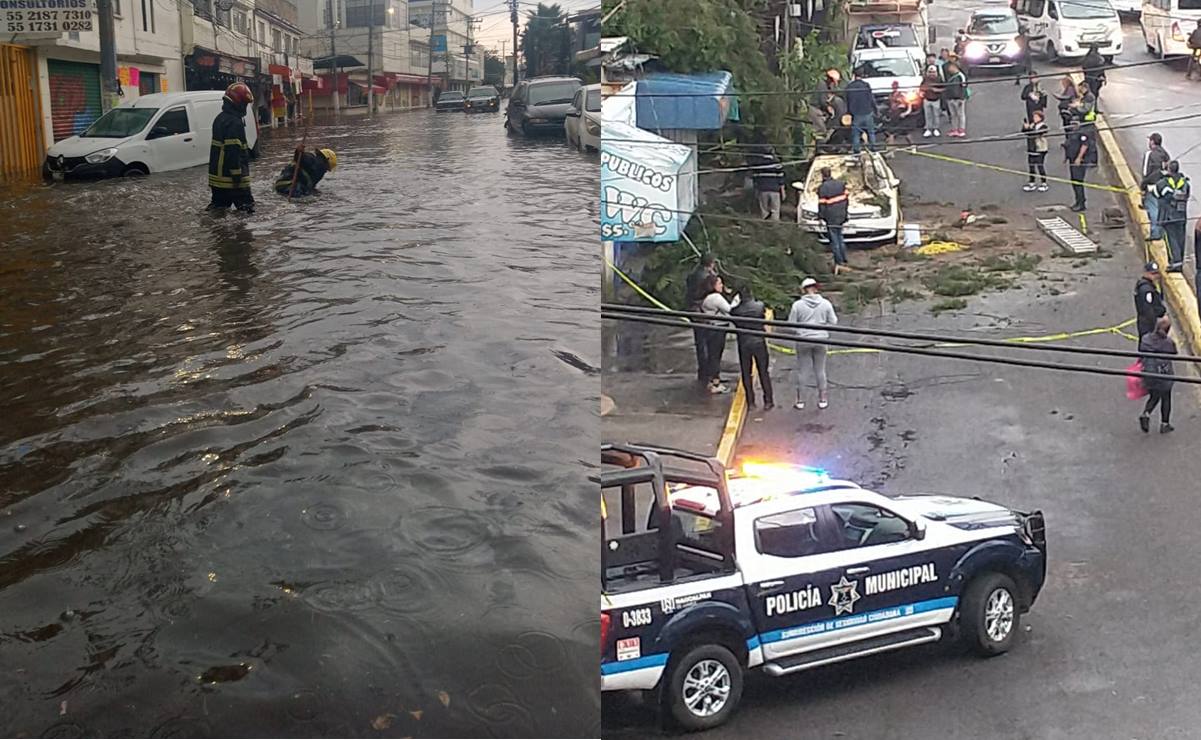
[(703, 687), (989, 616)]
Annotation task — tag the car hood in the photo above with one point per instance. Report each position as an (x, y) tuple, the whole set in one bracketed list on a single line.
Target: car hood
[(73, 146), (965, 513), (883, 85)]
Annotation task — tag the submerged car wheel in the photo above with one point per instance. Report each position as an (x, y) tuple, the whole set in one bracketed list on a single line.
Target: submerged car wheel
[(989, 615), (703, 687), (135, 170)]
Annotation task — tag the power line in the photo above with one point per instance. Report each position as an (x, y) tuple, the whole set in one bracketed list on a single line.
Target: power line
[(901, 349), (889, 334)]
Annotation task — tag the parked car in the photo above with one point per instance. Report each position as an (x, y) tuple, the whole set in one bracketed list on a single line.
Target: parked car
[(1166, 25), (482, 100), (1065, 29), (540, 104), (991, 40), (449, 100), (154, 133), (583, 123), (873, 208), (892, 36), (882, 67), (708, 574)]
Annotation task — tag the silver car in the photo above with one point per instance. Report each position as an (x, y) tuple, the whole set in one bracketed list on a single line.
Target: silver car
[(583, 122)]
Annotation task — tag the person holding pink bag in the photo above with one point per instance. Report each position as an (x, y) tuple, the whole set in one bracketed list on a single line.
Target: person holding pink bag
[(1157, 344)]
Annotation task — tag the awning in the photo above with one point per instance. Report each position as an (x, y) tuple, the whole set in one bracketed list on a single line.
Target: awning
[(699, 102), (279, 69), (342, 60), (411, 79)]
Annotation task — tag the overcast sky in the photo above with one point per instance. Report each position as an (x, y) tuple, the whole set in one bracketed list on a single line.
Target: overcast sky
[(494, 16)]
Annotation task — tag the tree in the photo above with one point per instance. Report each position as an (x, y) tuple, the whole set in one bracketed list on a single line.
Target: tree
[(546, 41), (494, 69)]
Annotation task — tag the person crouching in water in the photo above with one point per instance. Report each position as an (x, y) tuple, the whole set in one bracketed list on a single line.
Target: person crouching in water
[(313, 167)]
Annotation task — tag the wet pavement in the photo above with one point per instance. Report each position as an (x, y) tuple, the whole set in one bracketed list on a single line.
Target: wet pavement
[(262, 476), (1101, 654)]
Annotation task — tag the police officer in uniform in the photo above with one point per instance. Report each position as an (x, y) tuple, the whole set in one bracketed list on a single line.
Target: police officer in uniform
[(230, 155), (1080, 146), (1173, 191), (313, 167)]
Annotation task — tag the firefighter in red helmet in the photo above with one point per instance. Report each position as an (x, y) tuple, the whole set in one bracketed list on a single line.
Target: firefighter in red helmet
[(229, 155)]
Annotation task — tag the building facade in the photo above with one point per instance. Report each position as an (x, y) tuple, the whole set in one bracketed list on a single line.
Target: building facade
[(458, 62), (346, 38)]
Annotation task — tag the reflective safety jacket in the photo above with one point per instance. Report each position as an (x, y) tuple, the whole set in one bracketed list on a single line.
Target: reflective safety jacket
[(832, 202), (1174, 193), (312, 168), (229, 155)]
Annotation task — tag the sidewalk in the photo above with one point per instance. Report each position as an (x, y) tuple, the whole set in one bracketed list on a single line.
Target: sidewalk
[(652, 394)]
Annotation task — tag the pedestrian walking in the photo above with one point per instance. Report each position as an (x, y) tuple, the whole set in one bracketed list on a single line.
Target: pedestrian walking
[(931, 91), (230, 154), (1080, 148), (812, 309), (1174, 191), (1155, 167), (694, 294), (715, 304), (861, 104), (1035, 129), (1093, 66), (1159, 390), (956, 94), (1148, 301), (768, 176), (832, 210), (752, 349), (1033, 96), (1194, 45)]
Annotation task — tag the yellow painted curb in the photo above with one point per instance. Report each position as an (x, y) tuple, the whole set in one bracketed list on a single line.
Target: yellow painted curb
[(735, 420), (1177, 292)]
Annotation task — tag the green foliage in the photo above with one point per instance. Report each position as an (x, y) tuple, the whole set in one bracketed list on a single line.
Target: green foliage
[(494, 69), (961, 280), (949, 304), (774, 257), (546, 42)]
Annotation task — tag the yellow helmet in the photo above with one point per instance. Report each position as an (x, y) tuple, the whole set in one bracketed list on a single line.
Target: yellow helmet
[(330, 157)]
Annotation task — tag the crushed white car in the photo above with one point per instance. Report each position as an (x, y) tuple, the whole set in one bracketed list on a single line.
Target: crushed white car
[(873, 209)]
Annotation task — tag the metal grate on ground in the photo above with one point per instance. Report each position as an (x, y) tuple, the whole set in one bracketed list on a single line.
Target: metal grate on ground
[(1066, 236)]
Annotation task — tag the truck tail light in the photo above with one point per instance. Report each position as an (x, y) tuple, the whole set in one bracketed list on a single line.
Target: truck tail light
[(1176, 34), (604, 635)]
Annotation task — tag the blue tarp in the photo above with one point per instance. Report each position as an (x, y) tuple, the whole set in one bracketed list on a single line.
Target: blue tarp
[(702, 101)]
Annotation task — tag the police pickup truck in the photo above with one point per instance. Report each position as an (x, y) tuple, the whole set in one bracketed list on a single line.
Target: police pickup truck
[(706, 574)]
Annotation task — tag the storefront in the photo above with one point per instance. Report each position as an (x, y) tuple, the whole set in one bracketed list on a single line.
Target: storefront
[(209, 70), (75, 100), (412, 91)]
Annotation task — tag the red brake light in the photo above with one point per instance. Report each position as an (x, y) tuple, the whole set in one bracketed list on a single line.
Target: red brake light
[(604, 635), (1176, 34)]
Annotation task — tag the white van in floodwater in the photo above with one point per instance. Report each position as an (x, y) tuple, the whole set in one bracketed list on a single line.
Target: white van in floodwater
[(154, 133)]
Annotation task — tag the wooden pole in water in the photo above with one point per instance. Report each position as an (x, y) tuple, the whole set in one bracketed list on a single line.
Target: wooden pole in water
[(296, 160)]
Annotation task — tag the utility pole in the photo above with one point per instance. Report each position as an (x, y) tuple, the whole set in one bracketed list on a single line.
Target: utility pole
[(333, 51), (371, 57), (108, 56), (513, 18)]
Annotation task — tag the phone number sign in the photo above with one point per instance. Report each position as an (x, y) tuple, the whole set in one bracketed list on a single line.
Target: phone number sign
[(45, 17)]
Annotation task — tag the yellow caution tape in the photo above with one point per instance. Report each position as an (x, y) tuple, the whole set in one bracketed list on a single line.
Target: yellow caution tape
[(996, 168), (1116, 329)]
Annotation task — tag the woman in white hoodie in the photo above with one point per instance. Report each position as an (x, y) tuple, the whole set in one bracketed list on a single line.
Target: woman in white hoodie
[(811, 308)]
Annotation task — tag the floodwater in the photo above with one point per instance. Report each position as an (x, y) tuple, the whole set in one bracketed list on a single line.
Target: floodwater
[(319, 471)]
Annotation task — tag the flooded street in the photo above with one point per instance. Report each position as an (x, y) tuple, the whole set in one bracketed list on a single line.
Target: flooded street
[(318, 471)]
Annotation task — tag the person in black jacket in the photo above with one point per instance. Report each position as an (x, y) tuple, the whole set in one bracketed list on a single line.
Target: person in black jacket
[(1157, 342), (1034, 97), (313, 167), (694, 286), (752, 349), (1148, 301), (768, 175), (1093, 66), (230, 155)]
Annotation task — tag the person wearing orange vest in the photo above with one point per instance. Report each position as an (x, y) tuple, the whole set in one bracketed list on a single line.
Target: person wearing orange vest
[(832, 210)]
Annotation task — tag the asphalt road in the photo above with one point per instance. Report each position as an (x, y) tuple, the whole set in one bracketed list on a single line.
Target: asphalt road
[(1106, 649)]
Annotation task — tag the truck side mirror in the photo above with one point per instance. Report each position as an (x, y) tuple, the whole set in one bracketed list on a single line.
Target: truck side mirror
[(917, 530)]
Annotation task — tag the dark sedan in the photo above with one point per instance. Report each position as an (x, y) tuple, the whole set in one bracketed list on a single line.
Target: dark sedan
[(482, 100), (449, 100)]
